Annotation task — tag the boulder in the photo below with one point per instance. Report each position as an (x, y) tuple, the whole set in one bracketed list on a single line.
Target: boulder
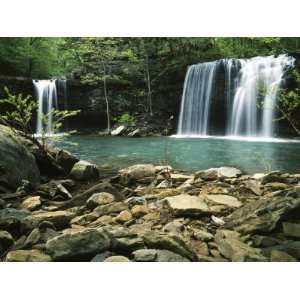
[(31, 203), (16, 161), (202, 235), (127, 244), (223, 200), (145, 255), (84, 171), (291, 229), (118, 131), (137, 172), (66, 160), (215, 173), (173, 243), (6, 241), (186, 205), (263, 215), (27, 256), (60, 219), (117, 258), (292, 248), (75, 245), (100, 199)]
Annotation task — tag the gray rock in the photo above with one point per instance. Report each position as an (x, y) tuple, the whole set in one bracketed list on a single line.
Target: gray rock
[(168, 256), (274, 176), (27, 256), (186, 205), (16, 161), (102, 256), (81, 243), (83, 170), (135, 201), (290, 247), (65, 159), (6, 241)]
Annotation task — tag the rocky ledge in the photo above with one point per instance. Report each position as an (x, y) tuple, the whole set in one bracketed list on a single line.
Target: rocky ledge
[(148, 213)]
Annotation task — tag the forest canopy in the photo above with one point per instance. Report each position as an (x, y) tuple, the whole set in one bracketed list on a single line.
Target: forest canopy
[(46, 57)]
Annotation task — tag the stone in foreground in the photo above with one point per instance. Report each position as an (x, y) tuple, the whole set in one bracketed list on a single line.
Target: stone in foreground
[(117, 258), (27, 256), (82, 243), (223, 200)]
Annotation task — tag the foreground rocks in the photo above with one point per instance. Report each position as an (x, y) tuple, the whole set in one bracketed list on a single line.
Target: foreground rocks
[(147, 213)]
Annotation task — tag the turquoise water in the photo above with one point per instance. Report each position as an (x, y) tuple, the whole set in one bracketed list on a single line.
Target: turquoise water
[(187, 153)]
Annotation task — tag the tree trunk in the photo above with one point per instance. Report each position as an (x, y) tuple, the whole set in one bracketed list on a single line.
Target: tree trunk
[(106, 99), (149, 85)]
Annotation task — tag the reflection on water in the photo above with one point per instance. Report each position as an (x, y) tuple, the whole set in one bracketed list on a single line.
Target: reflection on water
[(187, 153)]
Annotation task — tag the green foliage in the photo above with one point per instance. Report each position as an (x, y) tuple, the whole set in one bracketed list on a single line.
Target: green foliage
[(126, 119), (19, 111)]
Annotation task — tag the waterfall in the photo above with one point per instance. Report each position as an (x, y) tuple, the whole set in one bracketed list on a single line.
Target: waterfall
[(47, 101), (195, 104), (250, 95)]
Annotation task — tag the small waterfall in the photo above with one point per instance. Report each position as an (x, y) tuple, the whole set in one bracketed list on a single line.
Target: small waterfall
[(195, 104), (250, 94), (47, 101)]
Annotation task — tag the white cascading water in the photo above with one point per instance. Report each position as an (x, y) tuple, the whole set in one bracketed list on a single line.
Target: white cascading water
[(47, 101), (195, 104), (251, 88)]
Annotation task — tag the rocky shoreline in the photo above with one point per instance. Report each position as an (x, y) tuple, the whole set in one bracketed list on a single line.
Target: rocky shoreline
[(146, 213)]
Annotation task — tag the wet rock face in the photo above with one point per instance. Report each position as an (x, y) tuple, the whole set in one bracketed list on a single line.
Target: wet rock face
[(16, 162), (262, 215)]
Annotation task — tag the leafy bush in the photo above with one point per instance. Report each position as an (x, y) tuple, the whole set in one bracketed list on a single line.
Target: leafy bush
[(126, 119)]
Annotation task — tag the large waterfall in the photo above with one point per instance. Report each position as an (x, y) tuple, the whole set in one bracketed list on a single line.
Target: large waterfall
[(249, 95), (47, 101)]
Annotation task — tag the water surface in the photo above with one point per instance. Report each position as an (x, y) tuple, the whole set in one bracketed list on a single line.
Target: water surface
[(187, 153)]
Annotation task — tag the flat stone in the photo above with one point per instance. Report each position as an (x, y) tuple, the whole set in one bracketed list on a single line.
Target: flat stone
[(186, 205), (291, 229), (127, 244), (224, 200), (112, 208), (175, 177), (27, 256), (31, 203), (276, 186), (202, 235)]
